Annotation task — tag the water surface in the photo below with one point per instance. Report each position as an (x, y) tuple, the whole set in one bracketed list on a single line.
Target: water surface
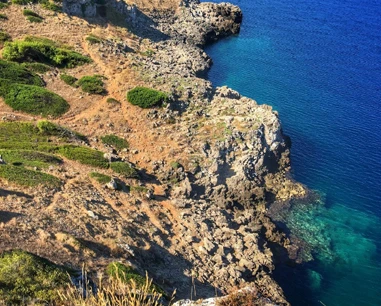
[(319, 64)]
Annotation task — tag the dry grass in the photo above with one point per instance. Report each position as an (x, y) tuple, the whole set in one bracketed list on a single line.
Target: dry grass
[(115, 292)]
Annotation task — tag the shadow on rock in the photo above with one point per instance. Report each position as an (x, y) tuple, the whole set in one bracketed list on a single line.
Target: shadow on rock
[(117, 13)]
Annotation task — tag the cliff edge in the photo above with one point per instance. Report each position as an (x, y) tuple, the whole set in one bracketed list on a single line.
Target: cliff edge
[(210, 162)]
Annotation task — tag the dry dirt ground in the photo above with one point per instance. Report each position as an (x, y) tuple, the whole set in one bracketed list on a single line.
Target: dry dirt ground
[(83, 222)]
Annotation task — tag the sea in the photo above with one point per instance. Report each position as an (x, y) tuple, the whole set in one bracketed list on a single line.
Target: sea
[(318, 63)]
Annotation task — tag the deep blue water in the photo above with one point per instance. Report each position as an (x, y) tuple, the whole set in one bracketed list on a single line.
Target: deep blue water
[(319, 64)]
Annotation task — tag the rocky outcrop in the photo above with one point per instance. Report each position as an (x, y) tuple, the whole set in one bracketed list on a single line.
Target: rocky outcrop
[(199, 23), (235, 160)]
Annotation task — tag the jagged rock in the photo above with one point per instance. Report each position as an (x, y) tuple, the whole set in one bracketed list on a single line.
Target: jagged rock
[(112, 185)]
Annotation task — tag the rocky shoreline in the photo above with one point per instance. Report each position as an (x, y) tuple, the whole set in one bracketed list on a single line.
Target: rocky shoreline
[(237, 156), (197, 218)]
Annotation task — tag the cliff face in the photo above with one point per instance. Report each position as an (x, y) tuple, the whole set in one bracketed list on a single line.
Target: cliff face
[(234, 160)]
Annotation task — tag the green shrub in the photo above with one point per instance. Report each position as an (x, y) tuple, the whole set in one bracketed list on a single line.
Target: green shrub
[(124, 169), (25, 177), (29, 158), (35, 100), (2, 16), (100, 178), (27, 12), (84, 155), (92, 39), (37, 67), (33, 49), (23, 2), (4, 37), (92, 84), (115, 141), (48, 128), (125, 274), (51, 6), (34, 19), (25, 277), (18, 74), (68, 79), (113, 101), (146, 97)]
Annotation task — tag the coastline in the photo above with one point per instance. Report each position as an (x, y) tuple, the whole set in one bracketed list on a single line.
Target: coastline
[(211, 162)]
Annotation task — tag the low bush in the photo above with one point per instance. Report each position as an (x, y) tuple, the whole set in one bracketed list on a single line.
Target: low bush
[(34, 19), (35, 49), (16, 73), (84, 155), (29, 158), (48, 128), (124, 169), (26, 278), (146, 97), (126, 274), (113, 101), (92, 39), (26, 177), (37, 67), (92, 84), (2, 16), (51, 6), (35, 100), (27, 12), (68, 79), (100, 178), (115, 141), (4, 37)]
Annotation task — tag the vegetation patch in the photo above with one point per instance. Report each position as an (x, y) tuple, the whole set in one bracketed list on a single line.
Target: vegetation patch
[(17, 73), (113, 101), (92, 84), (84, 155), (35, 100), (51, 6), (69, 79), (115, 142), (36, 67), (146, 97), (4, 37), (27, 12), (34, 19), (48, 128), (43, 50), (124, 169), (29, 158), (25, 278), (92, 39), (126, 274), (100, 178), (2, 16), (26, 177)]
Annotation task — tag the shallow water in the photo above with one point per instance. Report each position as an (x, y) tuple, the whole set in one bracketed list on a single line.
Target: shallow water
[(319, 64)]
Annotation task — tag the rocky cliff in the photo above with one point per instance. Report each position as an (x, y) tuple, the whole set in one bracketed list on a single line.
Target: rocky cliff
[(211, 162)]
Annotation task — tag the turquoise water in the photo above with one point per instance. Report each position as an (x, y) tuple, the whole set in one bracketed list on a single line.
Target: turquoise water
[(319, 64)]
